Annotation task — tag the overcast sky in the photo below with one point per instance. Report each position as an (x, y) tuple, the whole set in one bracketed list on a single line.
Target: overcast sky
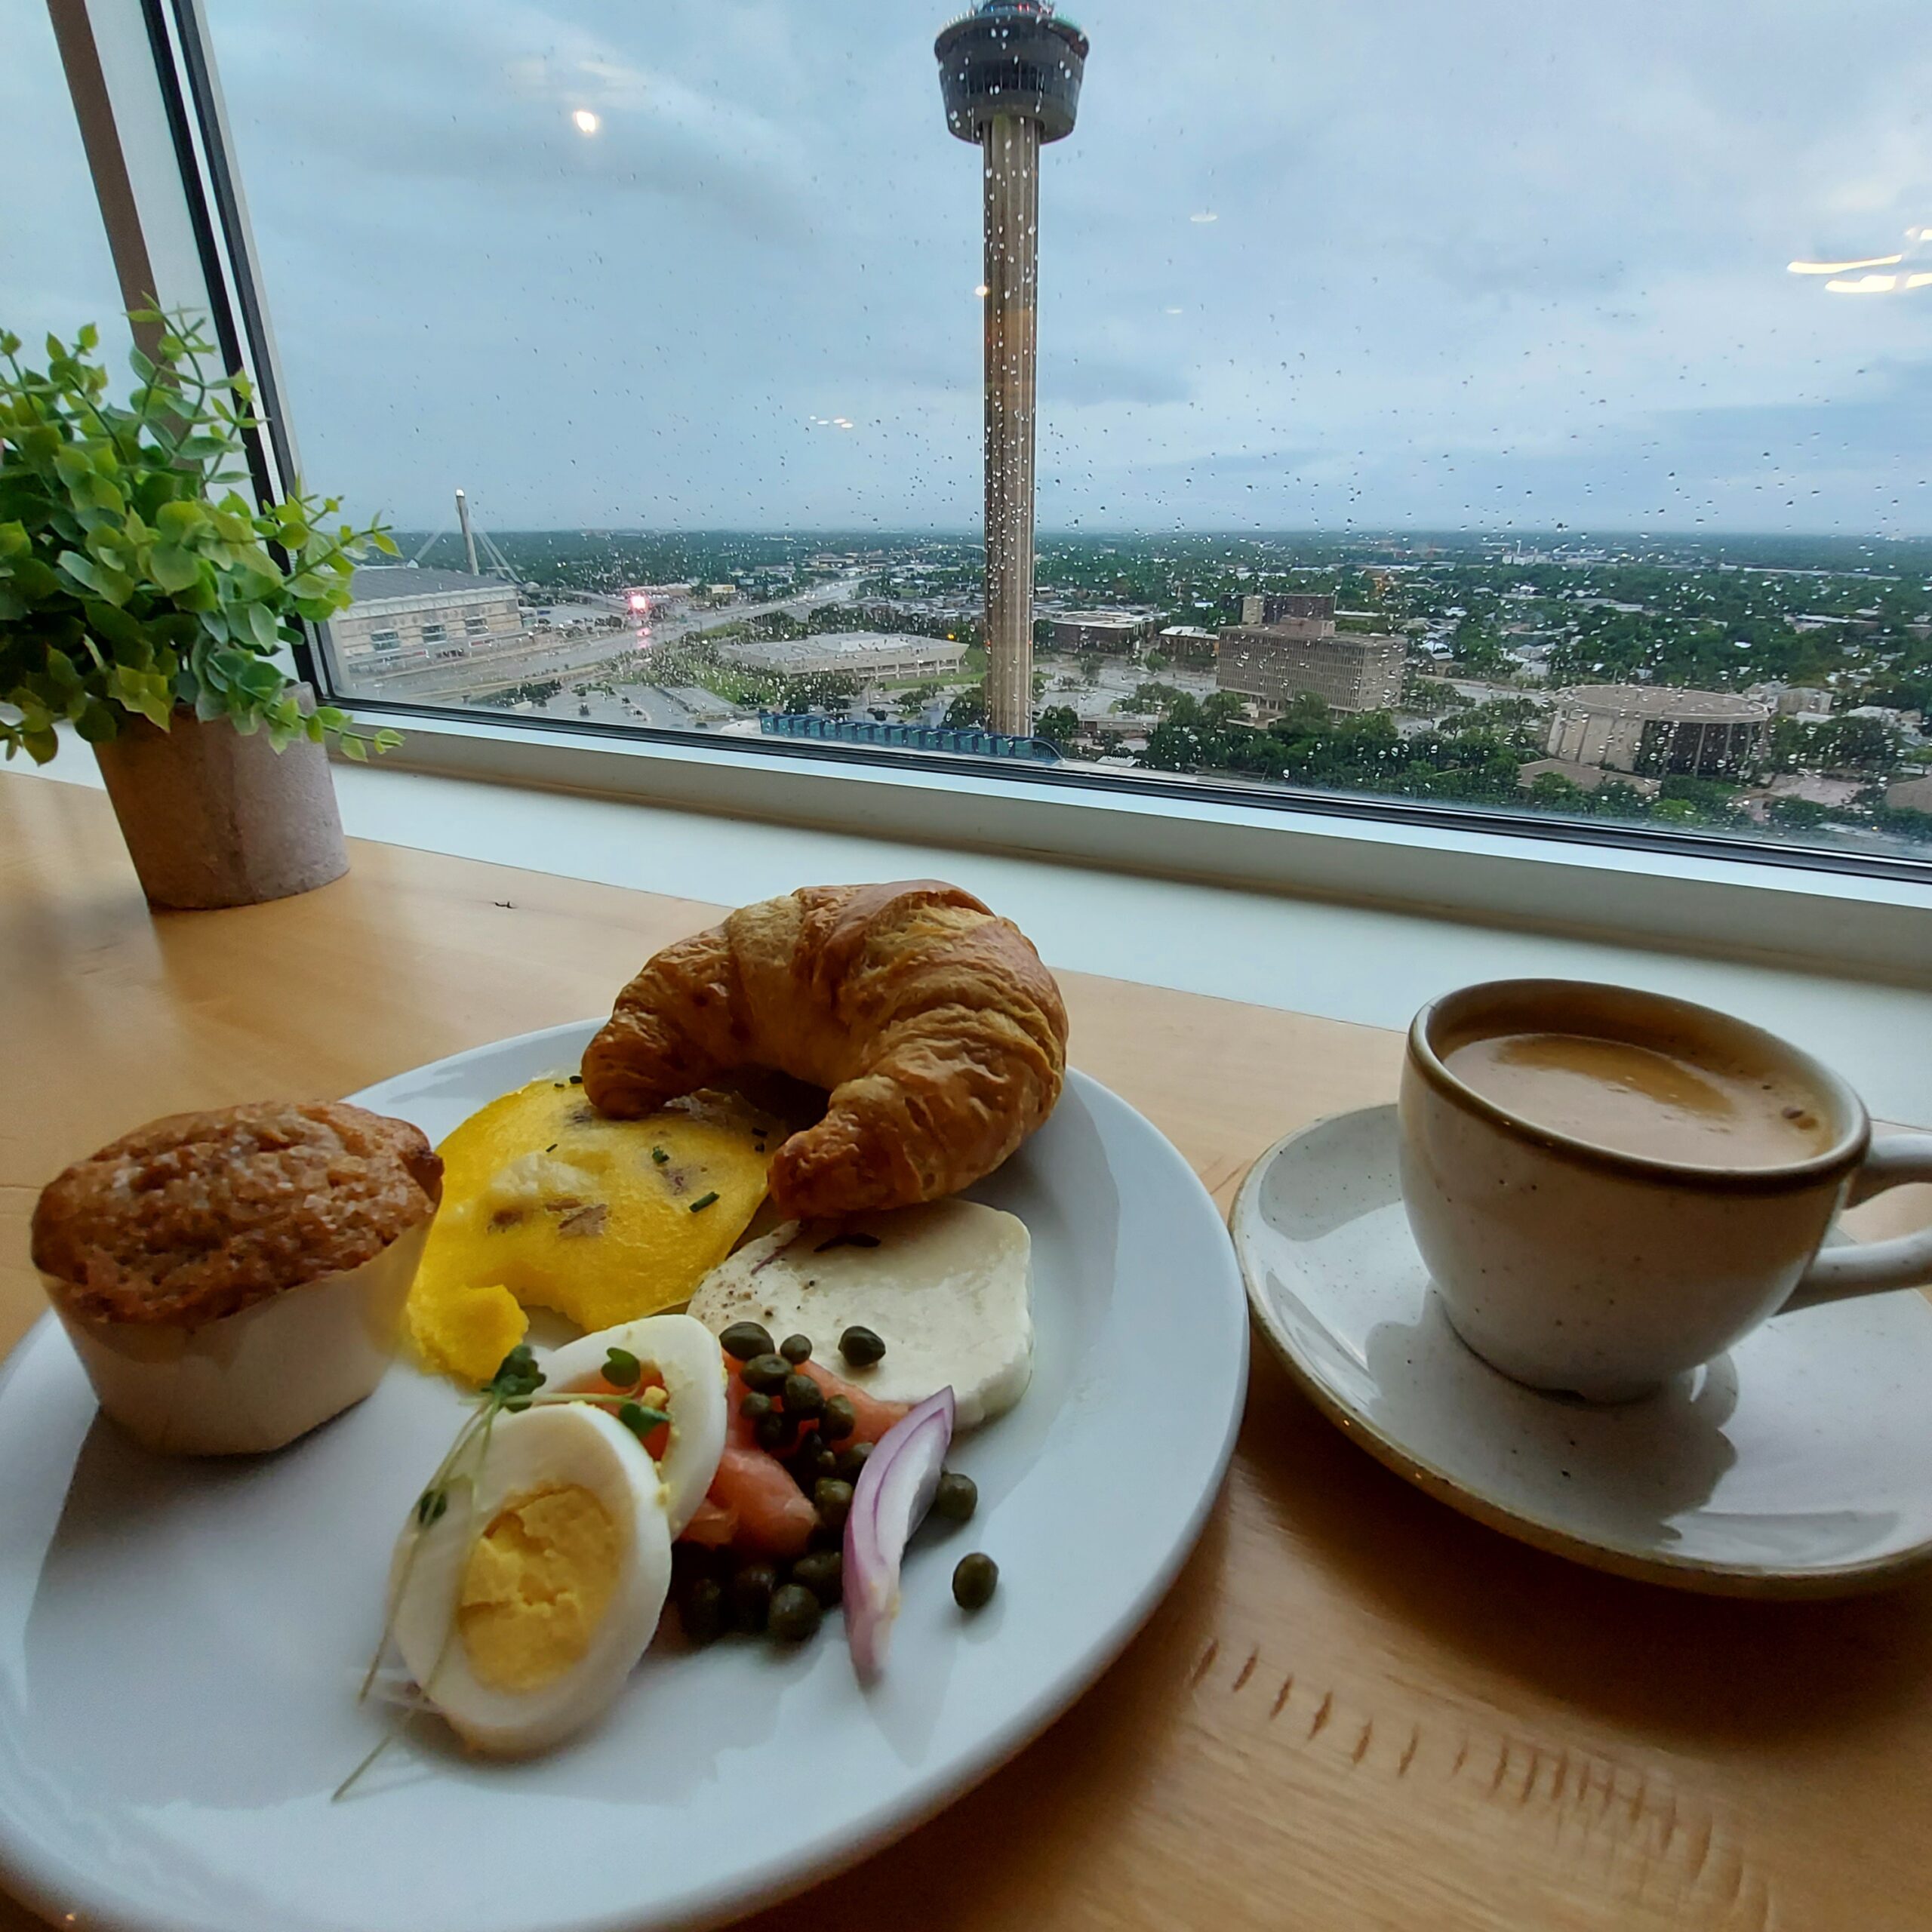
[(1303, 264)]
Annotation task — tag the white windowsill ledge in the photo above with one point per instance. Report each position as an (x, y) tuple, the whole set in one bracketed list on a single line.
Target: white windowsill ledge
[(1788, 915)]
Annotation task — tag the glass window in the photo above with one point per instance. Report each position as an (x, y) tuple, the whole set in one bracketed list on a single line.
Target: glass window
[(1525, 415), (55, 269)]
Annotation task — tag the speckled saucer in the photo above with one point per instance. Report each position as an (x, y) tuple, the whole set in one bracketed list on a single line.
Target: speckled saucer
[(1800, 1464)]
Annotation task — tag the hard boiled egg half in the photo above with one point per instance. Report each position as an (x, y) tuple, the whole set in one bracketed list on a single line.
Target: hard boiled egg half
[(669, 1363), (522, 1602)]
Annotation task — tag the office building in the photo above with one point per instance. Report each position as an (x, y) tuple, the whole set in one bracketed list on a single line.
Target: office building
[(1117, 632), (1272, 665), (402, 616), (1289, 610), (1191, 643), (1657, 729)]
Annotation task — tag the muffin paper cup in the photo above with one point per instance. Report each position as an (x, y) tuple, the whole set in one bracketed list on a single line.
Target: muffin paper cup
[(258, 1378)]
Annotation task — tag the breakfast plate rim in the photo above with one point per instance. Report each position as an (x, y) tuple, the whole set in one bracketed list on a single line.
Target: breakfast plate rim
[(43, 1876), (1702, 1576)]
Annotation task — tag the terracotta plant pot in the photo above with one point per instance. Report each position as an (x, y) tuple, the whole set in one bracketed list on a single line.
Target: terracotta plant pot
[(214, 818)]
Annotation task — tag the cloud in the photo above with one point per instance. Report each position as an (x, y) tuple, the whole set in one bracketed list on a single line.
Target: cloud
[(1468, 265)]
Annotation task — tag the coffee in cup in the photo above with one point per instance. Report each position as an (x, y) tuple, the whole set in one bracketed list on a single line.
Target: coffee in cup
[(1644, 1100), (1611, 1186)]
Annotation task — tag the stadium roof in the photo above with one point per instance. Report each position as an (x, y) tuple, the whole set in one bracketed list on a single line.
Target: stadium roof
[(382, 580)]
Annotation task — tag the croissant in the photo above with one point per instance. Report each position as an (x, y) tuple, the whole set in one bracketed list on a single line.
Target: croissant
[(941, 1036)]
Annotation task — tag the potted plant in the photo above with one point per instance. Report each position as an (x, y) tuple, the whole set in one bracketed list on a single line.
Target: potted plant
[(146, 600)]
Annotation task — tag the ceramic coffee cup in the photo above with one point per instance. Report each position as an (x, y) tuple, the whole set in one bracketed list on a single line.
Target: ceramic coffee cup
[(1573, 1265)]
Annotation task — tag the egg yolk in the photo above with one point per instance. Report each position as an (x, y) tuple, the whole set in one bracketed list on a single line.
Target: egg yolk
[(536, 1586)]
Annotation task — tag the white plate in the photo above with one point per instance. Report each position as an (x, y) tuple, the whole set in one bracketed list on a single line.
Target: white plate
[(1798, 1464), (180, 1641)]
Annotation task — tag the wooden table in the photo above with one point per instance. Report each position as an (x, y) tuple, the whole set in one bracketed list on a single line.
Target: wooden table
[(1355, 1710)]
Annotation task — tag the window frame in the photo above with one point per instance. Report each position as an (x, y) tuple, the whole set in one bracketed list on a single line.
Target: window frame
[(225, 279)]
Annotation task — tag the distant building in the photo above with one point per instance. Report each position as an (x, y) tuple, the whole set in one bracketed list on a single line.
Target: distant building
[(1193, 641), (1655, 729), (1272, 665), (1288, 607), (1081, 632), (867, 656), (402, 616), (1585, 777), (1796, 699), (1296, 651)]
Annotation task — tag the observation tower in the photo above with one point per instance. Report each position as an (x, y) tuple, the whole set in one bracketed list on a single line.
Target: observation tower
[(1010, 72)]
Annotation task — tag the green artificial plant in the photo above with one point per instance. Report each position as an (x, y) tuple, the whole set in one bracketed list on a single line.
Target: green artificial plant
[(137, 579)]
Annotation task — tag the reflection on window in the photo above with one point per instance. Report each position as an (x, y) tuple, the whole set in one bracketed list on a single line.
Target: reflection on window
[(1431, 408)]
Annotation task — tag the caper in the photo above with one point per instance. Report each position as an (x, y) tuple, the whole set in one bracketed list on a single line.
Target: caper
[(833, 1500), (956, 1497), (774, 1433), (796, 1348), (691, 1561), (974, 1581), (744, 1341), (754, 1406), (860, 1346), (839, 1419), (701, 1610), (822, 1572), (794, 1614), (766, 1372), (748, 1596), (804, 1399), (852, 1460)]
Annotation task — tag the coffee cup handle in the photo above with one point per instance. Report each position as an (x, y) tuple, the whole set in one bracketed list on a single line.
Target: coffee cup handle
[(1874, 1267)]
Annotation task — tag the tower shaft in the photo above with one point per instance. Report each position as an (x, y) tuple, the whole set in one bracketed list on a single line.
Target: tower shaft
[(468, 535), (1011, 147)]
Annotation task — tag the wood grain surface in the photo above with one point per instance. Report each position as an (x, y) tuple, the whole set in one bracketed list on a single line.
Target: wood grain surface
[(1355, 1710)]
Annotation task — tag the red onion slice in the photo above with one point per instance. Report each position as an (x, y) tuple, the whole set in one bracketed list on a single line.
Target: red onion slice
[(889, 1502)]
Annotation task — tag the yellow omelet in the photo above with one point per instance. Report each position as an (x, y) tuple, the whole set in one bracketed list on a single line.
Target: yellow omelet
[(547, 1203)]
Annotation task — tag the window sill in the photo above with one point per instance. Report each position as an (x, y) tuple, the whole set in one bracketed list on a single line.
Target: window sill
[(1784, 913)]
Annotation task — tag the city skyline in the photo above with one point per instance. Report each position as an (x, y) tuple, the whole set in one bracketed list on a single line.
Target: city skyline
[(1822, 544), (1768, 688), (1467, 272)]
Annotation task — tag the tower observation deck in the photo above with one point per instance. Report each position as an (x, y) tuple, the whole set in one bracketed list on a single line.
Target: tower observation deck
[(1010, 72)]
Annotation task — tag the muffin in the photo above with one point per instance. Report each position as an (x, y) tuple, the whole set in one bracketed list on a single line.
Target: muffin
[(231, 1280)]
